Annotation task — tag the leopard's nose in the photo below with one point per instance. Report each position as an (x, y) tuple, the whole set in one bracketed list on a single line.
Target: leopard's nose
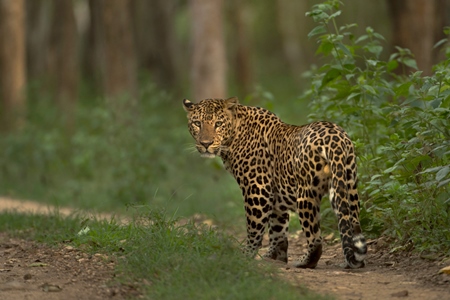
[(206, 144)]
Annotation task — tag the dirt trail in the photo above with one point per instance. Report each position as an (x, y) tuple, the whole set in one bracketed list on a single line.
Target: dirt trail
[(29, 270), (32, 271), (385, 276), (25, 206)]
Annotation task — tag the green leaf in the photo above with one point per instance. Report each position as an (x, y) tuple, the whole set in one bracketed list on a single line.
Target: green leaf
[(410, 62), (436, 103), (441, 42), (338, 13), (442, 183), (403, 89), (379, 36), (361, 38), (374, 49), (344, 49), (370, 89), (442, 173), (330, 75), (372, 62), (392, 65), (390, 170), (325, 48), (317, 30)]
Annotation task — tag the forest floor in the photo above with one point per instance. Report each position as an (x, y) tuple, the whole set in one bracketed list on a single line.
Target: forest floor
[(29, 270)]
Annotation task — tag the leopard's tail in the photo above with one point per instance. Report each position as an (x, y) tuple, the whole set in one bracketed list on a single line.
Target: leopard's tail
[(345, 201)]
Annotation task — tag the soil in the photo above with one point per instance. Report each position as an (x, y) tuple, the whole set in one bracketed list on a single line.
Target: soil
[(386, 275), (29, 270)]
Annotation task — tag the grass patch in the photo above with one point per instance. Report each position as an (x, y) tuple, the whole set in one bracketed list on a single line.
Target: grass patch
[(174, 258)]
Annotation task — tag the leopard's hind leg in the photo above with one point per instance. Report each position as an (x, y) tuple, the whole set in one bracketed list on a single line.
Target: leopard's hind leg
[(345, 202)]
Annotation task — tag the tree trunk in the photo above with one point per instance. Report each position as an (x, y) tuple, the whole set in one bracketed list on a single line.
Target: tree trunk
[(208, 72), (38, 25), (116, 50), (291, 24), (155, 39), (12, 64), (415, 25), (64, 58), (242, 52)]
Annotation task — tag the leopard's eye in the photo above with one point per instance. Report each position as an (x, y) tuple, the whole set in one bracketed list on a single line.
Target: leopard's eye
[(197, 123), (218, 124)]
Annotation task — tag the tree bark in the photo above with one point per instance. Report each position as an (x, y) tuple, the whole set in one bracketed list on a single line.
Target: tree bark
[(116, 50), (416, 25), (291, 24), (12, 64), (208, 71), (156, 41), (38, 16), (91, 59), (64, 59), (242, 50)]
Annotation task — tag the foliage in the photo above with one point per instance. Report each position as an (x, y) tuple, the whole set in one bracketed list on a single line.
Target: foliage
[(162, 256), (399, 120)]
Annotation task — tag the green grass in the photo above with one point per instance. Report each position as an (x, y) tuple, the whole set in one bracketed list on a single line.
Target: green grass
[(189, 261)]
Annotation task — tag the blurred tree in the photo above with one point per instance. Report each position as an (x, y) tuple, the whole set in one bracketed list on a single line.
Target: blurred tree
[(241, 42), (12, 64), (418, 26), (116, 48), (38, 16), (208, 71), (90, 49), (63, 66), (291, 24), (156, 41)]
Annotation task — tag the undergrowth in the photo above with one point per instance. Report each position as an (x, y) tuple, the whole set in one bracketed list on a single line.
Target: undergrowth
[(114, 157), (400, 123)]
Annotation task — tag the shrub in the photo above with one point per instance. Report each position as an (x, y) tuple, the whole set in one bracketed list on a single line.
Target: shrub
[(399, 123)]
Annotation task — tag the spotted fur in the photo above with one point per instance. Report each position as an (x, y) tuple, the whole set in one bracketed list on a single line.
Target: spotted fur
[(281, 167)]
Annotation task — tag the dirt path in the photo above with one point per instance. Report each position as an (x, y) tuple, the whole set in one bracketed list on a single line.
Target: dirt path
[(29, 270), (25, 206), (32, 271), (386, 275)]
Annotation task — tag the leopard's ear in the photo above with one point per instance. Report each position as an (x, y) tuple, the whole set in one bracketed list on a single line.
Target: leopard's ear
[(231, 102), (188, 105)]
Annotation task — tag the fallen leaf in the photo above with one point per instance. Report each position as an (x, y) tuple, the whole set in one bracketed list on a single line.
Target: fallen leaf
[(400, 294), (47, 287), (83, 231), (329, 237), (445, 270)]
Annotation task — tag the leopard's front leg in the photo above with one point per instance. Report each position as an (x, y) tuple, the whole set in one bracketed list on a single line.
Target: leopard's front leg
[(257, 210), (308, 210)]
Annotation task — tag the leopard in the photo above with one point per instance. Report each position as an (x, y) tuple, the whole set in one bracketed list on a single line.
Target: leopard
[(282, 168)]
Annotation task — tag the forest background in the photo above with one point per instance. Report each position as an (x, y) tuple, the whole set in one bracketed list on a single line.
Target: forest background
[(90, 95)]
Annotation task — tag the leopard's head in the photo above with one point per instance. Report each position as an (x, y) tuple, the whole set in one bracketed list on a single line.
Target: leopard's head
[(211, 123)]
